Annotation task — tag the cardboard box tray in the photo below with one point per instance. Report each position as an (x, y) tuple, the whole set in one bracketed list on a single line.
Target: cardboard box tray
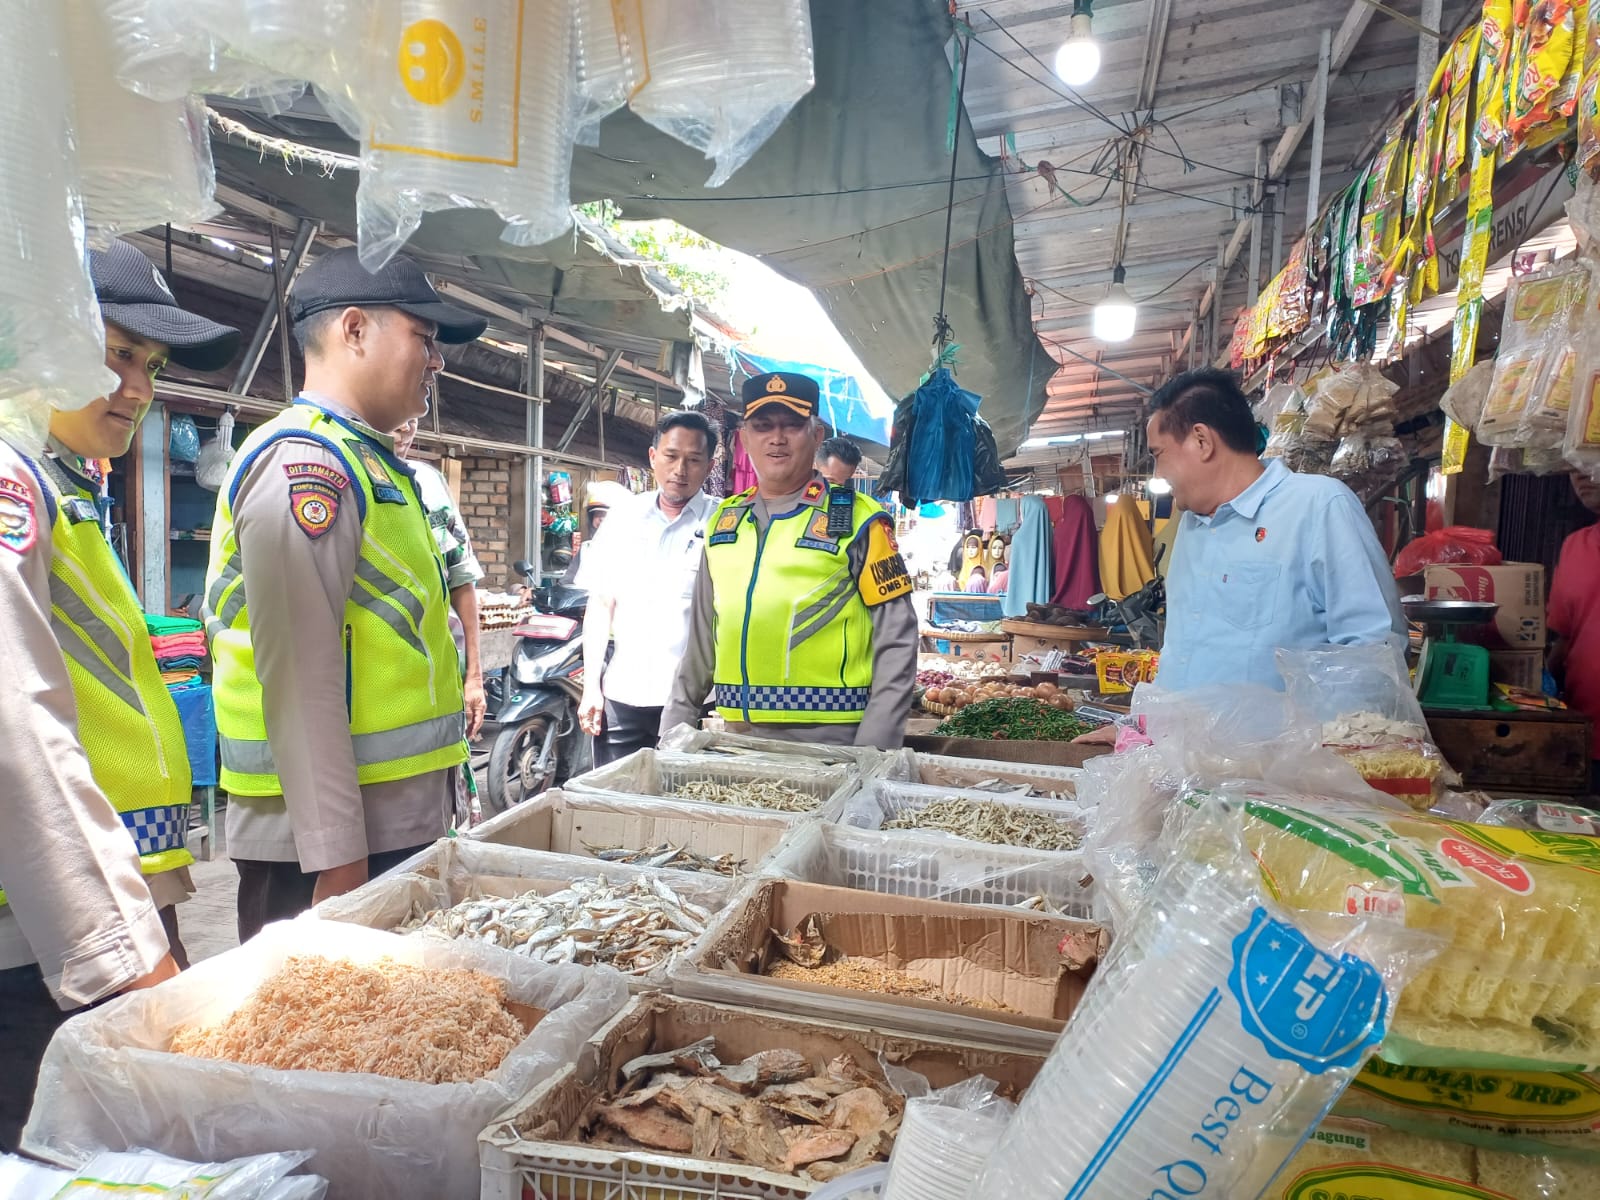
[(1054, 754), (532, 1150), (562, 822), (1035, 965)]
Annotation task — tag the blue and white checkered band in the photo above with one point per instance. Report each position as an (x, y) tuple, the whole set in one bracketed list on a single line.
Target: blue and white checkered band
[(158, 829), (793, 699)]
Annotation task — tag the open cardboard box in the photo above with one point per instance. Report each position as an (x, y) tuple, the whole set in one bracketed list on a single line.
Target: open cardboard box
[(531, 1149), (1036, 965), (1054, 754), (562, 822)]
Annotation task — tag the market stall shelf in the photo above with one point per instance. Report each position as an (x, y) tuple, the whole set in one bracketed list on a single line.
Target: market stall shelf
[(956, 970), (536, 1148)]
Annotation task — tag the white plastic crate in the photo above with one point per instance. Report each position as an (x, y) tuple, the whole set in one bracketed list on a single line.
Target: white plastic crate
[(686, 740), (562, 822), (946, 770), (935, 867), (882, 800), (660, 773)]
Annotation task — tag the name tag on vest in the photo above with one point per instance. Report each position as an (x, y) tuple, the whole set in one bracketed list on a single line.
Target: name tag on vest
[(384, 488)]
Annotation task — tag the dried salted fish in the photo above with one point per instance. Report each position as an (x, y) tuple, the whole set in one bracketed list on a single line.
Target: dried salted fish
[(993, 822), (868, 975), (668, 855), (811, 1124), (759, 793), (634, 928)]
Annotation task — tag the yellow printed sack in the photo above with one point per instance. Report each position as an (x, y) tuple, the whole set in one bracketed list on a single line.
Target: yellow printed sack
[(1348, 1160), (1516, 981)]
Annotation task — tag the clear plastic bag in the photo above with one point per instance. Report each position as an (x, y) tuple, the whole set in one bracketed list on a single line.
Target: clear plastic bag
[(944, 1139), (722, 77), (1548, 816), (145, 1173), (1531, 392), (609, 57), (1216, 1033), (1581, 445), (501, 139), (1517, 982), (167, 49), (143, 162), (211, 465), (1464, 399), (1369, 461), (52, 341), (1370, 717), (108, 1080)]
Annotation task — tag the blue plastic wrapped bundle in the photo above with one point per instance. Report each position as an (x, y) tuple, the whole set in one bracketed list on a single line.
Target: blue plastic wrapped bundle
[(199, 719), (941, 459)]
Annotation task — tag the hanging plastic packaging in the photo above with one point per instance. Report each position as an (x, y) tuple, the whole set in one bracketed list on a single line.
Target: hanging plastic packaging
[(142, 162), (722, 76), (473, 110), (1213, 1038), (942, 452), (1581, 445), (609, 59), (146, 1173), (52, 341), (166, 49), (1531, 392)]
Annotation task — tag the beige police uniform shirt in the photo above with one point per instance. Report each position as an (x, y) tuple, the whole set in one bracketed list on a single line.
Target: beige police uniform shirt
[(297, 586), (895, 636), (78, 904)]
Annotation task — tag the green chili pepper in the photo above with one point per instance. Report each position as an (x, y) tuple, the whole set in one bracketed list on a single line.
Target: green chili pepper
[(1022, 719)]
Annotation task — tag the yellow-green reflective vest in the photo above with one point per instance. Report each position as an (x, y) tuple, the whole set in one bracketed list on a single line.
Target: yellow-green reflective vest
[(127, 721), (402, 680), (793, 636)]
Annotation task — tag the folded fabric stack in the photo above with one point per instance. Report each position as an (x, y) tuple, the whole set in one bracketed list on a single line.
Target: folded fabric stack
[(180, 647)]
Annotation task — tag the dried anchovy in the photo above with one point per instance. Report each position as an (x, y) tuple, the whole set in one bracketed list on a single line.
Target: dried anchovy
[(667, 854), (634, 929), (998, 824), (865, 975), (761, 793)]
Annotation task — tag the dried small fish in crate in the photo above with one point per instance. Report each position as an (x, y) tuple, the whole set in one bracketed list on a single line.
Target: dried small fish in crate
[(678, 858), (634, 928), (987, 821), (757, 793), (859, 974), (773, 1110)]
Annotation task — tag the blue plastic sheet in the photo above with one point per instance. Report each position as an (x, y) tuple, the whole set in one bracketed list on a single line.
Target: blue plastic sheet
[(199, 719)]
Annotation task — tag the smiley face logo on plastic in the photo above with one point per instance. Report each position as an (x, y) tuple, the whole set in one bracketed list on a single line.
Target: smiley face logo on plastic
[(432, 62)]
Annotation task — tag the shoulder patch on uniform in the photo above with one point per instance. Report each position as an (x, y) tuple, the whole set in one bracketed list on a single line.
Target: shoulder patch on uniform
[(317, 470), (726, 527), (883, 575), (813, 492), (19, 521), (384, 488), (314, 504), (816, 535)]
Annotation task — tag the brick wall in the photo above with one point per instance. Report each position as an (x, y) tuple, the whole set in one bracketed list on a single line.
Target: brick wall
[(486, 506)]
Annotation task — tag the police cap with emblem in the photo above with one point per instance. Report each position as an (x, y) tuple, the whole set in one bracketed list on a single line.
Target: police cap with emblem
[(135, 297), (797, 393), (338, 280)]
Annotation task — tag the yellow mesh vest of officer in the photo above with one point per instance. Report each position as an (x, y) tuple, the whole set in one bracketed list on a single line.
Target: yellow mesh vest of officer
[(127, 722), (793, 632), (402, 680)]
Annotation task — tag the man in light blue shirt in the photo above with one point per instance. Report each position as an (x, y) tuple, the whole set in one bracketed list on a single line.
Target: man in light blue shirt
[(1264, 557)]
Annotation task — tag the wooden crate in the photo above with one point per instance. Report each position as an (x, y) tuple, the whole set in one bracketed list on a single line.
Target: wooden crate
[(1524, 752)]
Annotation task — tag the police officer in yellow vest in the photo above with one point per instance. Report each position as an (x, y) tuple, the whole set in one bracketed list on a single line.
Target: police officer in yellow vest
[(339, 699), (802, 624), (94, 775)]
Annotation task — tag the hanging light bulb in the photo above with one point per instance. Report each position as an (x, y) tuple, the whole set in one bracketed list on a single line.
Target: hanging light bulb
[(1114, 316), (1078, 60)]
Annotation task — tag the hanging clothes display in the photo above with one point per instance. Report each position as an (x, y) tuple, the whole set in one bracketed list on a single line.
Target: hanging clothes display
[(971, 556), (986, 514), (744, 471), (1008, 513), (1077, 553), (1055, 506), (1030, 581), (1127, 552)]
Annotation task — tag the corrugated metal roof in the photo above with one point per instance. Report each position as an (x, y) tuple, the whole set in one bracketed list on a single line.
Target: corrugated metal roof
[(1186, 93)]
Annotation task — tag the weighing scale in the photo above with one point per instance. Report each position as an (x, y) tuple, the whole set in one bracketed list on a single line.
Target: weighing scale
[(1451, 674)]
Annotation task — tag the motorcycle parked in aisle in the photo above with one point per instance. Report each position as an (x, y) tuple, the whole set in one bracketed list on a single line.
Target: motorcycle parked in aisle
[(533, 703)]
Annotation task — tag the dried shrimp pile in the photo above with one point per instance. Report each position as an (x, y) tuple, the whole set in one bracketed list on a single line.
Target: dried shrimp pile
[(868, 975), (424, 1024)]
